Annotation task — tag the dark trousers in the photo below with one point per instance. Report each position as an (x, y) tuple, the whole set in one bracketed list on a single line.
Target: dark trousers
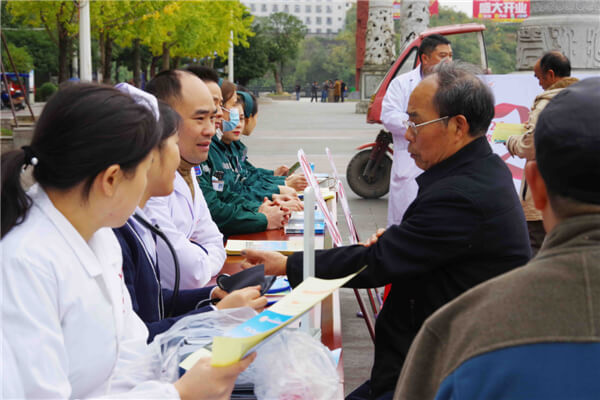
[(363, 392), (537, 233), (314, 96)]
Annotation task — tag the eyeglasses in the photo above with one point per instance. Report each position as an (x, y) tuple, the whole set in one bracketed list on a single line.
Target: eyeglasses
[(409, 125)]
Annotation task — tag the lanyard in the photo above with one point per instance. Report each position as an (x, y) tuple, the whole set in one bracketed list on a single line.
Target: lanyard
[(156, 230), (161, 305)]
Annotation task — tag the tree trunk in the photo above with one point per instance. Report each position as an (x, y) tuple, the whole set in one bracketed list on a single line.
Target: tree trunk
[(137, 62), (64, 53), (107, 59), (277, 76), (100, 72), (166, 57), (176, 61), (153, 65)]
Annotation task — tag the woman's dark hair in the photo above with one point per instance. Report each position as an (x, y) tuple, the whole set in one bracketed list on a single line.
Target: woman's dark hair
[(228, 90), (249, 102), (169, 121), (83, 129)]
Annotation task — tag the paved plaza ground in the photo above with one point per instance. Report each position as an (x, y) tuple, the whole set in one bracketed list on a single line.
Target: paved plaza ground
[(284, 127)]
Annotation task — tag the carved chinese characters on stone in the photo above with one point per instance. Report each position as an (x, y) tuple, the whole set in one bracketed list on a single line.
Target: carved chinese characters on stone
[(572, 27)]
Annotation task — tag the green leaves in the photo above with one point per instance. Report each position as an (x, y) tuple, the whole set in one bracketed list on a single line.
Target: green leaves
[(500, 41), (20, 56)]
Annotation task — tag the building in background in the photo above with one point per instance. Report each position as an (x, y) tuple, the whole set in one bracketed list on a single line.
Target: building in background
[(319, 16)]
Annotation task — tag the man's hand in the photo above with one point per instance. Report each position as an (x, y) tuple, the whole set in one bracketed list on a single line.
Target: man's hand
[(373, 239), (281, 171), (246, 297), (277, 216), (275, 263), (285, 197), (291, 202), (286, 190), (296, 181), (294, 204), (205, 382)]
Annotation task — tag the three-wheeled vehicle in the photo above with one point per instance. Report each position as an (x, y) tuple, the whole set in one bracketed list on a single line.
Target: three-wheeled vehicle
[(368, 172)]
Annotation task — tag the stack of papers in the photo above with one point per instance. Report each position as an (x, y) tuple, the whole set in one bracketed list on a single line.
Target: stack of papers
[(235, 247), (296, 223)]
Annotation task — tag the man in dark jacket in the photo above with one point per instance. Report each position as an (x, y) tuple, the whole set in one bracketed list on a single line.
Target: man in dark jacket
[(465, 226), (534, 332)]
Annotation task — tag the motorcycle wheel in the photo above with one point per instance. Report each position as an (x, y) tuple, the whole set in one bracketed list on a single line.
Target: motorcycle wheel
[(380, 184)]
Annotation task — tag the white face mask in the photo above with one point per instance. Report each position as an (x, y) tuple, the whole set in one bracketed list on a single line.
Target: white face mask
[(234, 120)]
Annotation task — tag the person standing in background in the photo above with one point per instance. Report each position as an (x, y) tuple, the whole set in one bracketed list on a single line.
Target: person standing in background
[(314, 88), (553, 71), (403, 187)]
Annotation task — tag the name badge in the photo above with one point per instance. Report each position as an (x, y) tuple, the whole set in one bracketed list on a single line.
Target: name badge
[(217, 184)]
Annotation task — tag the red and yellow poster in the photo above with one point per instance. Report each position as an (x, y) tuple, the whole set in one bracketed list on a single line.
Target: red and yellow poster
[(501, 10), (397, 5)]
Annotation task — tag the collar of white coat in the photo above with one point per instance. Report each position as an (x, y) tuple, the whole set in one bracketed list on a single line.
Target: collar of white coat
[(181, 187), (100, 245)]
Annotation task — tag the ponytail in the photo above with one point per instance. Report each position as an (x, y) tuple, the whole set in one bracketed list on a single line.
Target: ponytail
[(15, 202), (83, 129)]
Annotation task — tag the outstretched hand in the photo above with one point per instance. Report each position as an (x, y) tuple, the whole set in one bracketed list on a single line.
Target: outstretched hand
[(275, 263), (373, 239)]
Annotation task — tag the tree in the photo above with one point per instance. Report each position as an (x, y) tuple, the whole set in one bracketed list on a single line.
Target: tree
[(500, 40), (251, 61), (184, 29), (283, 33), (58, 18), (22, 59)]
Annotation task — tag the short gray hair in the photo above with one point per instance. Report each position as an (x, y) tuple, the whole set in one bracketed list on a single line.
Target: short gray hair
[(460, 91)]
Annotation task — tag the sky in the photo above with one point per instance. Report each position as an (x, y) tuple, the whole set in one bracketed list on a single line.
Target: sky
[(465, 6)]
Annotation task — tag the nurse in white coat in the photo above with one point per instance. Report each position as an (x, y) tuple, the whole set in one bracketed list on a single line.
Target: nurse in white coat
[(66, 312), (403, 187)]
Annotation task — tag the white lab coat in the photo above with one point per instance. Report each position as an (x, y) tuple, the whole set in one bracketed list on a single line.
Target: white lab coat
[(195, 237), (67, 314), (12, 387), (403, 187)]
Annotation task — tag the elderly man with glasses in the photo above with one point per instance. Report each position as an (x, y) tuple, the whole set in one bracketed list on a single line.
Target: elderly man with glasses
[(465, 226)]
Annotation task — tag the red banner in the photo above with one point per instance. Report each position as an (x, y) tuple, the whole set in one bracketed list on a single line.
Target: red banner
[(501, 10), (434, 7)]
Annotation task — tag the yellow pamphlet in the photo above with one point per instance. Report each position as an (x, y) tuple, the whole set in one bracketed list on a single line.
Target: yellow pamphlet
[(238, 342), (503, 130)]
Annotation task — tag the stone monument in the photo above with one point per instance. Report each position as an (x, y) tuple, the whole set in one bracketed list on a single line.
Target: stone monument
[(414, 16), (379, 50), (570, 26)]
